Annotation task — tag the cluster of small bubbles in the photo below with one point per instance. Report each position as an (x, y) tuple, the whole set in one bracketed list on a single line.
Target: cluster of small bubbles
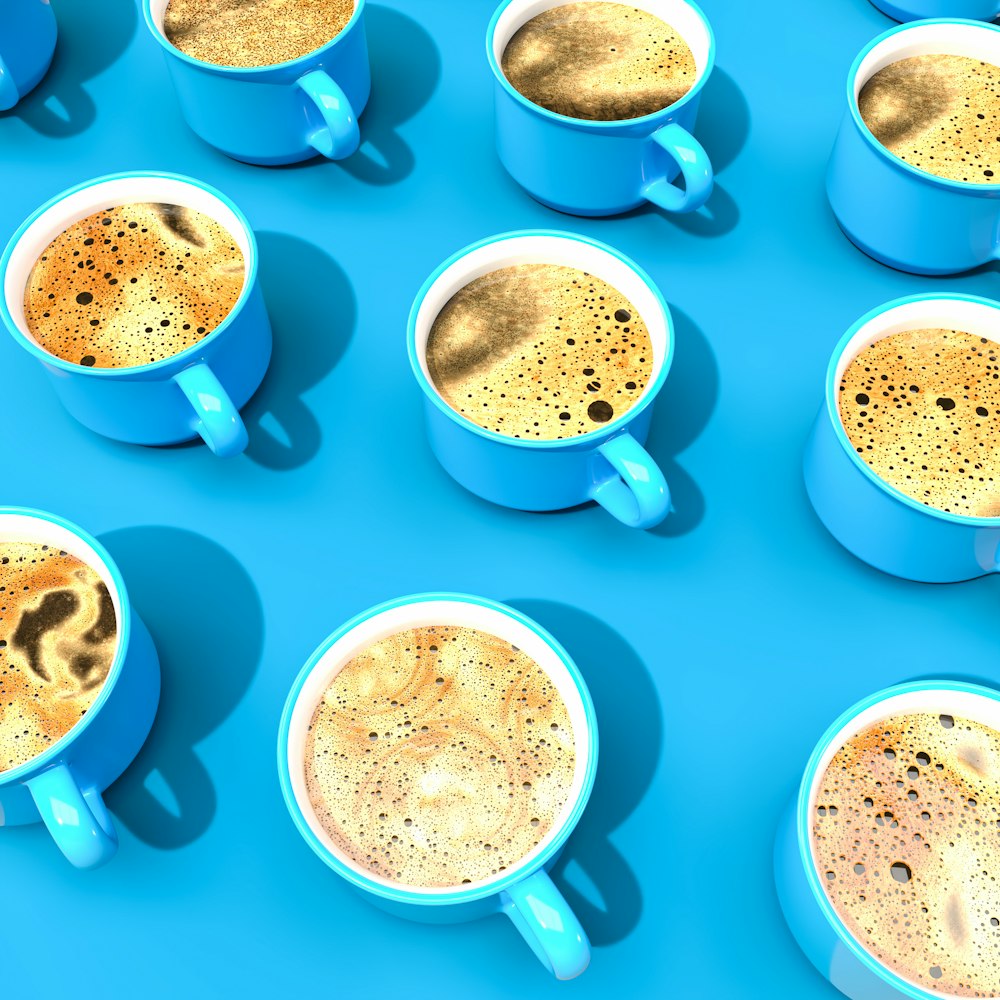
[(920, 407), (939, 113), (253, 32), (539, 351), (132, 284), (900, 838), (439, 756), (58, 635), (599, 61)]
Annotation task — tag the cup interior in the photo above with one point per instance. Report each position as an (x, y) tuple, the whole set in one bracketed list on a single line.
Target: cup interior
[(413, 615), (79, 203), (678, 14), (544, 248)]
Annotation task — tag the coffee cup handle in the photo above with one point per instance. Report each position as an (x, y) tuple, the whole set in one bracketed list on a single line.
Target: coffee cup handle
[(339, 136), (9, 95), (696, 169), (638, 496), (219, 422), (544, 918), (76, 818)]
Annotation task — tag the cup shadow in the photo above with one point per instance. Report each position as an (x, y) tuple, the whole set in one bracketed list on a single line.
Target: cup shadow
[(406, 67), (207, 623), (593, 874), (682, 412), (293, 273), (91, 37)]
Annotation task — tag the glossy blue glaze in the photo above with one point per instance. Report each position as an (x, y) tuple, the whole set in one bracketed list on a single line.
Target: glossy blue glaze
[(198, 391), (873, 519), (270, 115), (902, 216), (526, 894), (62, 786), (608, 465), (915, 10), (27, 43), (594, 168)]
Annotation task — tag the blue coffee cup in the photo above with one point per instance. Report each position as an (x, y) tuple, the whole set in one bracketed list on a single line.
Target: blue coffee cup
[(917, 10), (270, 115), (877, 522), (810, 915), (198, 391), (62, 786), (604, 167), (525, 893), (900, 215), (27, 44), (608, 464)]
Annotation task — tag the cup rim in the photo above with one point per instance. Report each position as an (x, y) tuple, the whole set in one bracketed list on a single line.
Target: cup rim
[(585, 123), (833, 413), (968, 187), (802, 833), (614, 427), (182, 358), (398, 893), (52, 755), (171, 50)]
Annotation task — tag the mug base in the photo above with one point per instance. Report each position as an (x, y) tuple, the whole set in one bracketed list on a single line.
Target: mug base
[(587, 213), (898, 265)]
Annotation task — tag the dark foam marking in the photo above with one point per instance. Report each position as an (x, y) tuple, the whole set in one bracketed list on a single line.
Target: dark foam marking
[(906, 843), (922, 408), (253, 32), (599, 61), (133, 284), (440, 755), (57, 639), (539, 351), (940, 113)]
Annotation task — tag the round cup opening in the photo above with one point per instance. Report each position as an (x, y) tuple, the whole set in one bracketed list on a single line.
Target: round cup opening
[(412, 615)]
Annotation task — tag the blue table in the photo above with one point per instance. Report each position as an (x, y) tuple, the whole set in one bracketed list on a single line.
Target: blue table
[(718, 647)]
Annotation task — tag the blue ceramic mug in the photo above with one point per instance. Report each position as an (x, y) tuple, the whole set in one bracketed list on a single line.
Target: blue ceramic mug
[(900, 215), (870, 517), (604, 167), (269, 115), (524, 893), (27, 44), (916, 10), (609, 464), (196, 392), (62, 786), (813, 920)]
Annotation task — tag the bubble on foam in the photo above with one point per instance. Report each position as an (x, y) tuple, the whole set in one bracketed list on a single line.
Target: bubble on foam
[(253, 32), (473, 763), (946, 457), (58, 635), (918, 893), (132, 284), (537, 351), (939, 113), (599, 61)]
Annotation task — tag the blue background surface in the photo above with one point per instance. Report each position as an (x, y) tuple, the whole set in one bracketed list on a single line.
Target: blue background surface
[(717, 647)]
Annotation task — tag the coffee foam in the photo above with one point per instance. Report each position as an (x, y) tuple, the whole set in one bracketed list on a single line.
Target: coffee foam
[(253, 32), (906, 842), (599, 61), (440, 756), (132, 285), (939, 113), (58, 634), (539, 351), (922, 408)]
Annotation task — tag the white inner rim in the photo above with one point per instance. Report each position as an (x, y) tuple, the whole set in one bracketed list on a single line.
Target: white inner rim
[(545, 250), (106, 194), (681, 16), (423, 613), (938, 701), (975, 41)]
